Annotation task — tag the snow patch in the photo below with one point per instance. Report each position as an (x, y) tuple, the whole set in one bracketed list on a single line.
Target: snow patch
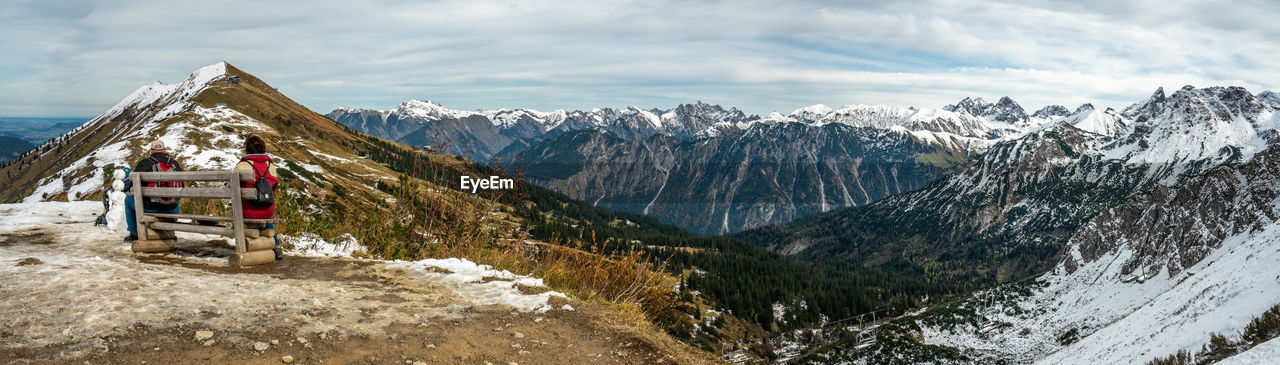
[(310, 244), (468, 279)]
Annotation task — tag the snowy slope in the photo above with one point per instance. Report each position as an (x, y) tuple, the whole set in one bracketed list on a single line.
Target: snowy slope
[(1195, 124), (1133, 322), (1270, 97), (1105, 122), (144, 115), (1266, 352), (1153, 275), (959, 123)]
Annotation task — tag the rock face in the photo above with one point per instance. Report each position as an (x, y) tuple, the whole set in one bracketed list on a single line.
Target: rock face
[(1051, 111), (704, 167), (482, 135), (423, 123), (1173, 228), (1002, 214), (1139, 276), (1104, 122), (1270, 98), (715, 170), (766, 174), (1004, 111), (1009, 212)]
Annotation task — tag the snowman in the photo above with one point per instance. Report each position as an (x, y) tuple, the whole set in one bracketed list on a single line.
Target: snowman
[(115, 195)]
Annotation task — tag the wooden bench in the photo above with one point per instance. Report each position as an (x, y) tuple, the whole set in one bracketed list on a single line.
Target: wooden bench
[(156, 230)]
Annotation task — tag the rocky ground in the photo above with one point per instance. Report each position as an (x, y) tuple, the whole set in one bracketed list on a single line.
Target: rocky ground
[(73, 293)]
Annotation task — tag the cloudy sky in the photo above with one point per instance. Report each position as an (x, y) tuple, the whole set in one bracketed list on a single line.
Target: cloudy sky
[(67, 58)]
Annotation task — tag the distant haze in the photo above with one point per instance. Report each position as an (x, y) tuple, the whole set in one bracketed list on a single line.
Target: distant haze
[(80, 58)]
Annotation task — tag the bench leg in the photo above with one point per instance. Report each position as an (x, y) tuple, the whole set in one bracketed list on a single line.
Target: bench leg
[(141, 246), (260, 244), (160, 235), (241, 259), (157, 241)]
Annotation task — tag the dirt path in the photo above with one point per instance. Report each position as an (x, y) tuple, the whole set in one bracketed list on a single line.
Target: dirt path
[(71, 293)]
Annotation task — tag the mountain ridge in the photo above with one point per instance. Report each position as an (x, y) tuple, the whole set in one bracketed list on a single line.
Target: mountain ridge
[(937, 137), (1033, 192)]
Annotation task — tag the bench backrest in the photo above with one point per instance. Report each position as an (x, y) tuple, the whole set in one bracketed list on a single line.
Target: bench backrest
[(232, 192)]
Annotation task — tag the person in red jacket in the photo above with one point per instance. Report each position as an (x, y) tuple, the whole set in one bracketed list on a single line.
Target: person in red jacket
[(256, 160)]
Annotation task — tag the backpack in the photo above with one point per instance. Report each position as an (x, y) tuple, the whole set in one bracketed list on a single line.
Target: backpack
[(264, 193), (163, 167)]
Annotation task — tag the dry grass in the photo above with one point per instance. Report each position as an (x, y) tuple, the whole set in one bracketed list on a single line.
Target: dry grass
[(628, 278), (428, 221)]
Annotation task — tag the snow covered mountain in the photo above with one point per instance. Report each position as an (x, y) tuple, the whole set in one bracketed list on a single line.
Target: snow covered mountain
[(1003, 111), (1051, 111), (1146, 278), (423, 123), (1220, 124), (1153, 241), (876, 151), (1105, 122), (685, 122), (961, 123), (1006, 213), (769, 173), (1271, 98), (507, 131), (203, 121)]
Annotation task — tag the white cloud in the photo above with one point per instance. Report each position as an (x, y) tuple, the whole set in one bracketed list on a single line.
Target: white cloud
[(78, 59)]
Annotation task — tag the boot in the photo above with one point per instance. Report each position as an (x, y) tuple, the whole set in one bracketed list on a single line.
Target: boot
[(279, 253), (132, 237)]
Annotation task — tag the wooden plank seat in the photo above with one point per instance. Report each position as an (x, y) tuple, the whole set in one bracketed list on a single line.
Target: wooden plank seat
[(156, 234), (208, 218)]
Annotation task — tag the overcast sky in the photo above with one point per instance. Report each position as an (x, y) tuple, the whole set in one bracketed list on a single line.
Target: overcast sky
[(79, 58)]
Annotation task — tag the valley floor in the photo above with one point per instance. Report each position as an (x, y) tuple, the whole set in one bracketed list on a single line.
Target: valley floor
[(72, 292)]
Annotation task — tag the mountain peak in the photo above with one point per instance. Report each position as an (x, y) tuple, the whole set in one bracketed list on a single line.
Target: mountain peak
[(813, 109), (205, 75), (1084, 107), (216, 97), (1050, 111), (973, 105), (1004, 110), (1152, 104), (428, 109), (1270, 98), (1106, 123), (1239, 98), (419, 103)]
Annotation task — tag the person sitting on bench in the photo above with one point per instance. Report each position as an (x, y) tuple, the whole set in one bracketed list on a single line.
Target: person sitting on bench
[(257, 160), (156, 162)]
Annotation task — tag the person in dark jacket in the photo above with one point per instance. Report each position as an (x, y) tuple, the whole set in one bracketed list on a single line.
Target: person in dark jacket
[(257, 160), (157, 161)]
